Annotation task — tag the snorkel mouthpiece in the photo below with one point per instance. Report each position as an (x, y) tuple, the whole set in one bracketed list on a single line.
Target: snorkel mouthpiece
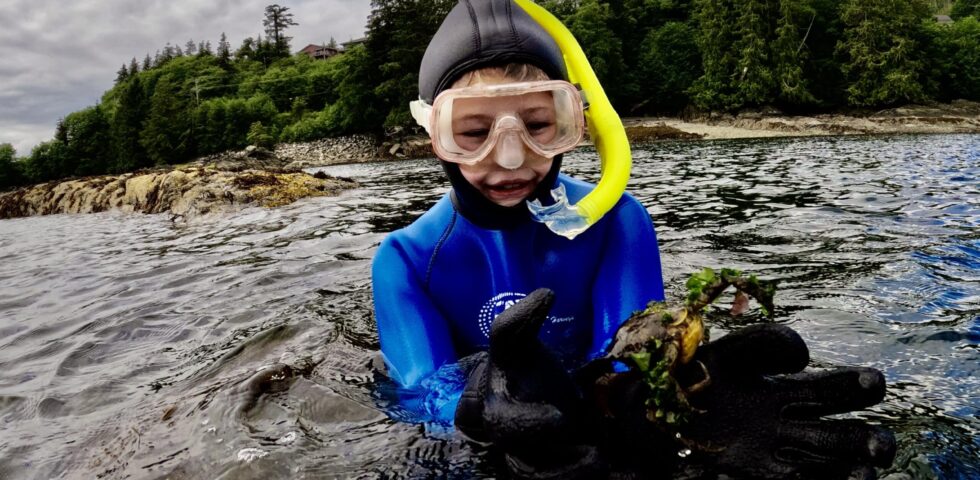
[(605, 128), (560, 217)]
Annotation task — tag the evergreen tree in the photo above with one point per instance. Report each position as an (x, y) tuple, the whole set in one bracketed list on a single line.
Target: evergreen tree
[(965, 58), (178, 52), (247, 50), (134, 67), (590, 26), (277, 20), (264, 51), (147, 62), (190, 48), (259, 136), (122, 74), (168, 53), (821, 67), (127, 123), (954, 53), (882, 60), (60, 131), (755, 82), (211, 125), (166, 136), (224, 51), (332, 43), (789, 52), (713, 90), (670, 64)]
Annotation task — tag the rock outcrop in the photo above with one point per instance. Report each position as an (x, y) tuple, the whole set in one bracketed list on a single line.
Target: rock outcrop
[(185, 192)]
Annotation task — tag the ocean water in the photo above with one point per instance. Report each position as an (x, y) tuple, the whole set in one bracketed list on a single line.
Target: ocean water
[(127, 341)]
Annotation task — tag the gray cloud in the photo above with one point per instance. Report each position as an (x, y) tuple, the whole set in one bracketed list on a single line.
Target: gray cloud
[(59, 57)]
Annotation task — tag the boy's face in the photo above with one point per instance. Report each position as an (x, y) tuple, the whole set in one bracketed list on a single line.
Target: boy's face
[(501, 185)]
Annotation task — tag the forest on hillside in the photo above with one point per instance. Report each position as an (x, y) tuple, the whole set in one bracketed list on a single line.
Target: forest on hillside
[(653, 57)]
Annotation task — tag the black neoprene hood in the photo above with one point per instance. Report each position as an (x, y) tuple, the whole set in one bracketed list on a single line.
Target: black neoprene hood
[(484, 33), (481, 33)]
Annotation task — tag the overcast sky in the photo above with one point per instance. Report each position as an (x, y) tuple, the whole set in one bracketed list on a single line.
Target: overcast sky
[(58, 56)]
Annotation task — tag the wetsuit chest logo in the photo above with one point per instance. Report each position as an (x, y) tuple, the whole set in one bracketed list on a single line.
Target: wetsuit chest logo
[(495, 306)]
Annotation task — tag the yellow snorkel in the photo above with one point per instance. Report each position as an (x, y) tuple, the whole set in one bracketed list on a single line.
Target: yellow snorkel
[(605, 128)]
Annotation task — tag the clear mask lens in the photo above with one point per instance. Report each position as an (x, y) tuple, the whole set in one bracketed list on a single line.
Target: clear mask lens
[(467, 124)]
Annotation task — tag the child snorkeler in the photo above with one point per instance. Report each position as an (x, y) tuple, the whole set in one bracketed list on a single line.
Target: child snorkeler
[(496, 101), (501, 113)]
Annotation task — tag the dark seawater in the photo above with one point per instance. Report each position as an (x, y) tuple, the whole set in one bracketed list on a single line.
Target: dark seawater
[(126, 340)]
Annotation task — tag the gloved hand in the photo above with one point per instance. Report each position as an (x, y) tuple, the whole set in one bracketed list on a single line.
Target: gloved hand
[(758, 414), (519, 399)]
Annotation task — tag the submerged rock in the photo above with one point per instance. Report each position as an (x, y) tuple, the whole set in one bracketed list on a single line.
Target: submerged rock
[(186, 191)]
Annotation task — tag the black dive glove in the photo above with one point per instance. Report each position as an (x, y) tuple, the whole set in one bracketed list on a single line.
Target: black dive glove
[(519, 399), (757, 415)]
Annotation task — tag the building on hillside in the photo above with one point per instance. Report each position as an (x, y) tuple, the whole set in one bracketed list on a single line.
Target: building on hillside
[(943, 19), (353, 43), (320, 52)]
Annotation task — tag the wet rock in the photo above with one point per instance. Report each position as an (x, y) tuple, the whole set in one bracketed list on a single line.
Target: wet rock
[(185, 192), (416, 146), (271, 379), (260, 153), (660, 131), (252, 158)]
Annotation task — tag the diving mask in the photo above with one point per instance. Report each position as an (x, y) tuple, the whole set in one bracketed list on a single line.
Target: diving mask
[(467, 124)]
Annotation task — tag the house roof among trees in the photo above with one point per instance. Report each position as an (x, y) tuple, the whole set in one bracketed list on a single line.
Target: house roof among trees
[(320, 51)]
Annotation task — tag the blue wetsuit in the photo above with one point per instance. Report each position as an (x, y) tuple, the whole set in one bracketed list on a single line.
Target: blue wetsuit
[(439, 282)]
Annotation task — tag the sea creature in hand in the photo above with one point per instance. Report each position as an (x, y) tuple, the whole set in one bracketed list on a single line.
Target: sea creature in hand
[(656, 341)]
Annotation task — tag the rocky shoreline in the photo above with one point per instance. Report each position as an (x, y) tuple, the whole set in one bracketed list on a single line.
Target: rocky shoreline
[(185, 192), (256, 176), (960, 116)]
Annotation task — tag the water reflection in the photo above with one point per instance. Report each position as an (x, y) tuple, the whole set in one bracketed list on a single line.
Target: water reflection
[(125, 339)]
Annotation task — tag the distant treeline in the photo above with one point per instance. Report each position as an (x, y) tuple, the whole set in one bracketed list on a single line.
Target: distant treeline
[(653, 56)]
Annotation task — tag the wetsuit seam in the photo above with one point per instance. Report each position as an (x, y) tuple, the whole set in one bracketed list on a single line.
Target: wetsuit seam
[(476, 26), (439, 244), (513, 28)]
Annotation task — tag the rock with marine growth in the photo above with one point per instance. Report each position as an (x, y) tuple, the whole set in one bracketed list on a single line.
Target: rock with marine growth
[(186, 192)]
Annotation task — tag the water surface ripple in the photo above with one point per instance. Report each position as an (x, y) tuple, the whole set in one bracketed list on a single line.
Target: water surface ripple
[(126, 340)]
